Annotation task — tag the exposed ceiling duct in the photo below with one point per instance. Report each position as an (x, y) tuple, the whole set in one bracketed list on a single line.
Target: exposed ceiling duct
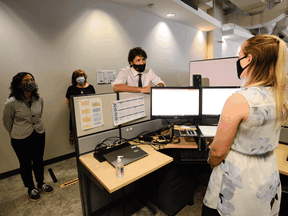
[(282, 26), (269, 27), (270, 15), (229, 7), (251, 6), (235, 33)]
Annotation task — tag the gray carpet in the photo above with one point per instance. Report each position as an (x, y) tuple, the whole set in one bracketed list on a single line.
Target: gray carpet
[(66, 201)]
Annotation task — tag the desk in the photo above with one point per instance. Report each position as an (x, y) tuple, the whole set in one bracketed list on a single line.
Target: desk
[(282, 153), (187, 142), (103, 174)]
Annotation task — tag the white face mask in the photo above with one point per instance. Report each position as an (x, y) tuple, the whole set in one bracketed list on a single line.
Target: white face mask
[(80, 80)]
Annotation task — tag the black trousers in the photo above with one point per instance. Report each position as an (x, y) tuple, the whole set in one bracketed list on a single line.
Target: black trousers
[(30, 150), (206, 211)]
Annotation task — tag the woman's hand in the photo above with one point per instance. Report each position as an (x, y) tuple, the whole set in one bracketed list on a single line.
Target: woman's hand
[(211, 165)]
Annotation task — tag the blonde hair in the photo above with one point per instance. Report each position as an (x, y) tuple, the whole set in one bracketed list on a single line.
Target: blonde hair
[(267, 68)]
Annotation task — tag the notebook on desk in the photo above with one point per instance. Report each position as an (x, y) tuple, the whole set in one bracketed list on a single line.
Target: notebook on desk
[(208, 131), (130, 154)]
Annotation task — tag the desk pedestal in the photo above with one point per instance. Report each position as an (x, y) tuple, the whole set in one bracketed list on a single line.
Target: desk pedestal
[(171, 187)]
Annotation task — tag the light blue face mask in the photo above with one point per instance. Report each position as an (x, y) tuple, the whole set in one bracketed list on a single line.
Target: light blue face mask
[(80, 80)]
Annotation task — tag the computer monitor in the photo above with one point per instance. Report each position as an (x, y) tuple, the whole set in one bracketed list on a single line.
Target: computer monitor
[(175, 102), (214, 98)]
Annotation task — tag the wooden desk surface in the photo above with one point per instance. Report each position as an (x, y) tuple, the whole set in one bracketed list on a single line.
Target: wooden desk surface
[(105, 173), (282, 153)]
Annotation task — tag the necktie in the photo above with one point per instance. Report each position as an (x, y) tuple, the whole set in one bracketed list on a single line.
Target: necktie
[(139, 81)]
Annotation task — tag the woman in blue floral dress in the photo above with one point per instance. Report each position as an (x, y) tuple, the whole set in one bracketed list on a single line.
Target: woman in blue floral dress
[(245, 179)]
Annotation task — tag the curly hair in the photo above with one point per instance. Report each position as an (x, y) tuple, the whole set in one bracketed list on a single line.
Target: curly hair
[(137, 51), (16, 91), (77, 73)]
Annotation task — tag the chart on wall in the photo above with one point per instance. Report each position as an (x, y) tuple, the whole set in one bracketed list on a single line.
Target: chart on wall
[(90, 113), (128, 110)]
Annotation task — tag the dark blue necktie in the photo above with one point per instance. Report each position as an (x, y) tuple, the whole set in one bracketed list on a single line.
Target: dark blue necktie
[(139, 81)]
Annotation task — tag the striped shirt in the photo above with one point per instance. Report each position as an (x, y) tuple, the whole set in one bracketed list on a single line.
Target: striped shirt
[(20, 119)]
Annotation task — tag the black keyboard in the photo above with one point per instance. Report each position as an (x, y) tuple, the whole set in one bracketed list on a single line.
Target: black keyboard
[(193, 155)]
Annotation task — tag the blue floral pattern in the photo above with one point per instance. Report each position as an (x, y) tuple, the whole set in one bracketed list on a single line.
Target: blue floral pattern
[(247, 181), (230, 180), (261, 146), (261, 114), (268, 192)]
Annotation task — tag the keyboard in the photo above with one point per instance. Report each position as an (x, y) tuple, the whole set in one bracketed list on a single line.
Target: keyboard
[(186, 132), (193, 155)]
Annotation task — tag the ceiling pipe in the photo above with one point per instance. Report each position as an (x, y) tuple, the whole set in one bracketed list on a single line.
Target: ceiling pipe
[(269, 17), (282, 26), (232, 8), (269, 27)]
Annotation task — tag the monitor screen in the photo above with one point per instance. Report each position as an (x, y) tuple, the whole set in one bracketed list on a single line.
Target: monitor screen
[(174, 102), (214, 98)]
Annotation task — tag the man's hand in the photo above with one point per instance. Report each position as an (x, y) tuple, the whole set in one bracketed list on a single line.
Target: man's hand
[(146, 89)]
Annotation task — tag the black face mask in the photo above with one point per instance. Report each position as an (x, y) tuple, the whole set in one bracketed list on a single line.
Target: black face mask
[(239, 67), (139, 68), (28, 87)]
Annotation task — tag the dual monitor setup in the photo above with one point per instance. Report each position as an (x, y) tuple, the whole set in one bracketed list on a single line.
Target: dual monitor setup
[(189, 102)]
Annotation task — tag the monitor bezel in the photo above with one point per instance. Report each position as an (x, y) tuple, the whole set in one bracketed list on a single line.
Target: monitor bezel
[(176, 117)]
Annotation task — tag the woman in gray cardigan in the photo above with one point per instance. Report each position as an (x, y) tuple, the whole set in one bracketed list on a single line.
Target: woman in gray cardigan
[(22, 119)]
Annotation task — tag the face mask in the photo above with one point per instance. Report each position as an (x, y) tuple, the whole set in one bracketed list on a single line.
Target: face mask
[(28, 87), (80, 80), (239, 67), (139, 68)]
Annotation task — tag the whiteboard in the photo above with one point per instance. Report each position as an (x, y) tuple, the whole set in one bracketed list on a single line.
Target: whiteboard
[(216, 72)]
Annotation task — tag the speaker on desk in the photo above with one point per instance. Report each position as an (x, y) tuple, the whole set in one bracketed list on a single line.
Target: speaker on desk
[(197, 80)]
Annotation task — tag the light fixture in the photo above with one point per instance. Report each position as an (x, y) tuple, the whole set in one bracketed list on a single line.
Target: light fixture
[(151, 6), (206, 28), (171, 15)]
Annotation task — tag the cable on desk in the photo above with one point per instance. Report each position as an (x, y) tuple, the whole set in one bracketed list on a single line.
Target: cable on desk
[(146, 138), (102, 145), (152, 144)]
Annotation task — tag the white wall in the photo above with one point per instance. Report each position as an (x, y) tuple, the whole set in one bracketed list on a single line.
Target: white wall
[(52, 38), (230, 48)]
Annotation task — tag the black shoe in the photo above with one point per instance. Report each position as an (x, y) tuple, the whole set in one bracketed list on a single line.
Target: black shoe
[(46, 188), (34, 195)]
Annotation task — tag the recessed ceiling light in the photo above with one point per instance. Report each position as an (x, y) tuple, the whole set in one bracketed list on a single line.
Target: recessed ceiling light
[(151, 6), (171, 15)]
